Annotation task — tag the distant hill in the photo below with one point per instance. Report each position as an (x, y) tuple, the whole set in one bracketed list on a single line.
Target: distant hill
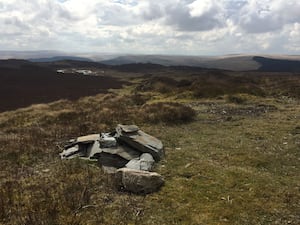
[(29, 54), (237, 63), (60, 58), (72, 64), (277, 65), (233, 62), (45, 54), (14, 63), (138, 67), (228, 62)]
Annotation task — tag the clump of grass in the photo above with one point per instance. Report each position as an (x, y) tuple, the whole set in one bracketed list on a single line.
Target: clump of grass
[(213, 86), (139, 99), (162, 85), (167, 112), (237, 99), (209, 84)]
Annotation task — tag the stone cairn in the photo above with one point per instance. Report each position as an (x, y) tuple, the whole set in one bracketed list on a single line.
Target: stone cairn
[(127, 152)]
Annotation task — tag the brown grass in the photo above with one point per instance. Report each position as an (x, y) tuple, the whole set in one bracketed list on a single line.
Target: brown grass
[(231, 160), (168, 112)]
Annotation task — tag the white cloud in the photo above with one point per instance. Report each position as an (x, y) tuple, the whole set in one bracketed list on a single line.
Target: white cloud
[(152, 26), (293, 38), (201, 7), (194, 16), (268, 15)]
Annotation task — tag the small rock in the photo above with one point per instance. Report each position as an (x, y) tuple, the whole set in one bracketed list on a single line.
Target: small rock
[(137, 181), (46, 170), (188, 165)]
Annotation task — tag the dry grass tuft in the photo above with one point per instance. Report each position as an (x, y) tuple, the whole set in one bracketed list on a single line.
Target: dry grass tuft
[(167, 112)]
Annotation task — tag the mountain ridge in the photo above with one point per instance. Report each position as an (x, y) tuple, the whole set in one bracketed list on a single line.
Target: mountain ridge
[(233, 62)]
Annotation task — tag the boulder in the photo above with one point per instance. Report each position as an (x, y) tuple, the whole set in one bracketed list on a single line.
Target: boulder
[(144, 162), (138, 181), (139, 140)]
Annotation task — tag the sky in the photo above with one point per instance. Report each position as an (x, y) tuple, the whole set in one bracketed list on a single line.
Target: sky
[(182, 27)]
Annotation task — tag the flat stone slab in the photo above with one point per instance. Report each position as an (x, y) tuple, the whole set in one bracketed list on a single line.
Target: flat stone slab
[(140, 140), (123, 151)]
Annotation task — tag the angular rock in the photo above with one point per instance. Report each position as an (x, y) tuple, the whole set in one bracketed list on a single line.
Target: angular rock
[(92, 149), (128, 128), (107, 140), (71, 152), (139, 140), (144, 162), (110, 162), (84, 146), (123, 151), (88, 138), (137, 181)]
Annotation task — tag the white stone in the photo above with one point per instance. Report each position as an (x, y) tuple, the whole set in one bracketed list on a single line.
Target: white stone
[(144, 162)]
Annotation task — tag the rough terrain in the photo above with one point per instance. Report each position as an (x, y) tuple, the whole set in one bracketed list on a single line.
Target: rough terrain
[(231, 142)]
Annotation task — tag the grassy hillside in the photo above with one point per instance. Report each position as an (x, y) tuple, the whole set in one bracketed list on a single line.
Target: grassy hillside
[(277, 65), (234, 62), (23, 83), (231, 141)]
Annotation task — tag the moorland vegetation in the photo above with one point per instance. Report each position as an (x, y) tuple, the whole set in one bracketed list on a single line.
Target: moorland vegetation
[(231, 142)]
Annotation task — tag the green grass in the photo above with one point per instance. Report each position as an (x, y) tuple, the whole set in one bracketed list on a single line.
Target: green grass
[(233, 173), (232, 162)]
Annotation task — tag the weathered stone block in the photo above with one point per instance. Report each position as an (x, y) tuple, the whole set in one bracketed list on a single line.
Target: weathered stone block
[(137, 181)]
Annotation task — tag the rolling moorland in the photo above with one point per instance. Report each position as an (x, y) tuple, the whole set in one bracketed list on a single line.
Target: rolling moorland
[(231, 140), (233, 62)]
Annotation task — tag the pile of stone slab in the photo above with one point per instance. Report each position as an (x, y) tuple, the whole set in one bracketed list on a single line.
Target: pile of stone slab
[(127, 152)]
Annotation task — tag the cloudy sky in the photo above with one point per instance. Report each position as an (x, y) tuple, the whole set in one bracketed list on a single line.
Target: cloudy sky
[(189, 27)]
